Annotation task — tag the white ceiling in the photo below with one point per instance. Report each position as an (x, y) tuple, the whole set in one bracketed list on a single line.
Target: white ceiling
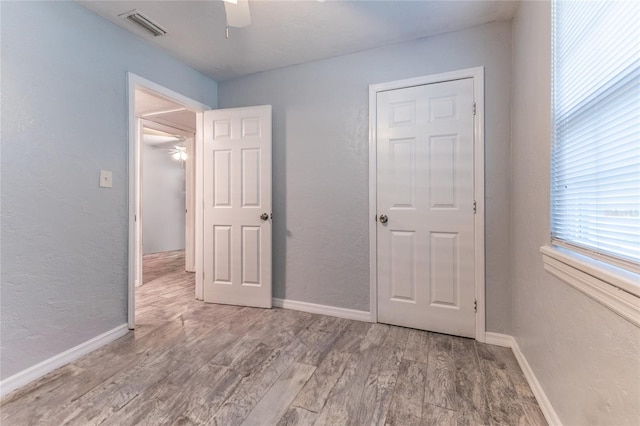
[(284, 33), (164, 111)]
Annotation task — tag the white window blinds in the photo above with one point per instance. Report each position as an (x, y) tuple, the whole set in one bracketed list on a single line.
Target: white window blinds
[(595, 170)]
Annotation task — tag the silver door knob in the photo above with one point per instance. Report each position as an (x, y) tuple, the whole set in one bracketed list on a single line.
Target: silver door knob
[(384, 218), (264, 216)]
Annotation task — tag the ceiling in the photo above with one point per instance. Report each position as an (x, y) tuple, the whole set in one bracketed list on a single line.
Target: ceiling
[(165, 112), (284, 33)]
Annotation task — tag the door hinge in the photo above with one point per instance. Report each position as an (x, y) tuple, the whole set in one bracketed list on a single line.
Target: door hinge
[(135, 218), (475, 207), (475, 305), (474, 108)]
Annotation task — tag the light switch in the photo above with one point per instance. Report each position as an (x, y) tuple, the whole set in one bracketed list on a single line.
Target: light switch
[(105, 179)]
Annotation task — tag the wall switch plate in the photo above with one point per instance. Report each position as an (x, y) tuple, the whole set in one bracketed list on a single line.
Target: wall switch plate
[(105, 179)]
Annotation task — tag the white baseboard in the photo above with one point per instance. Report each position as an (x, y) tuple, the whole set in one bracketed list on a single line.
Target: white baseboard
[(545, 405), (35, 372), (313, 308), (499, 339)]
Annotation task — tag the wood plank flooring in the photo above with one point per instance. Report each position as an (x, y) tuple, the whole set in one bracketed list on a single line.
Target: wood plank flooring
[(156, 265), (189, 363)]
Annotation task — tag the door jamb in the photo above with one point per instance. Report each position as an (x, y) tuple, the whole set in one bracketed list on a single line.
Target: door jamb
[(133, 175), (478, 132)]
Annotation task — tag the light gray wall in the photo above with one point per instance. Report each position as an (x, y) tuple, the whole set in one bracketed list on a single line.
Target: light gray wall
[(64, 117), (163, 201), (586, 358), (320, 166)]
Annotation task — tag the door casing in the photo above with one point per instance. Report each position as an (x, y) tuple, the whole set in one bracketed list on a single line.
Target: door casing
[(133, 177), (479, 273)]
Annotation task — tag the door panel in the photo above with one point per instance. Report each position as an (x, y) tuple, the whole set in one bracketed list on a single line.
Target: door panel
[(425, 188), (403, 154), (403, 263), (251, 255), (222, 254), (444, 258), (442, 169), (251, 177), (237, 191), (222, 178)]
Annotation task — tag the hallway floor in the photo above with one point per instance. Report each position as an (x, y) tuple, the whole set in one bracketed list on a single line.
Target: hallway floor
[(158, 265), (190, 363)]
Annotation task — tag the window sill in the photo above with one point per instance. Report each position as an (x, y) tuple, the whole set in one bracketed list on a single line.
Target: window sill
[(610, 286)]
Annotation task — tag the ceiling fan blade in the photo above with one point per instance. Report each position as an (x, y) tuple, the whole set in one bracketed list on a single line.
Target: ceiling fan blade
[(238, 14)]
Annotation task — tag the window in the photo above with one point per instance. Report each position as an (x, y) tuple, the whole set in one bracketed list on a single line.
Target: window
[(595, 169)]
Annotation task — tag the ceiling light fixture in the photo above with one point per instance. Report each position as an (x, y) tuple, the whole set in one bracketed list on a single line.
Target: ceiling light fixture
[(179, 154)]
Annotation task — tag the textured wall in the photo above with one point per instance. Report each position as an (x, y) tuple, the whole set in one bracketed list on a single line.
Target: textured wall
[(320, 147), (64, 117), (586, 357), (163, 201)]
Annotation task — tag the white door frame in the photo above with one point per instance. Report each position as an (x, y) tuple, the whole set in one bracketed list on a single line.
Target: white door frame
[(133, 176), (478, 132)]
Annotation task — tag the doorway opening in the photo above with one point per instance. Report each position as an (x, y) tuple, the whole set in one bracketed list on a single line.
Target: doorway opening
[(167, 174), (163, 190)]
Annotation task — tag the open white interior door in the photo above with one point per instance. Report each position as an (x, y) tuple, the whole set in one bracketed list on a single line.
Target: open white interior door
[(237, 206)]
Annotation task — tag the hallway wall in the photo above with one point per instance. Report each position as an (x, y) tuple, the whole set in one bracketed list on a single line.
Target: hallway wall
[(163, 201)]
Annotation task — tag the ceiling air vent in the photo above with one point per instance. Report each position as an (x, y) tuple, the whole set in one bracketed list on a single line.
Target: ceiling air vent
[(138, 18)]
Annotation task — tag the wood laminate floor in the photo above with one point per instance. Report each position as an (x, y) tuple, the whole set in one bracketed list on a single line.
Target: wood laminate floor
[(158, 265), (189, 363)]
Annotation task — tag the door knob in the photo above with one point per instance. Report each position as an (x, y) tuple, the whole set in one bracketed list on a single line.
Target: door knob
[(383, 218), (264, 216)]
